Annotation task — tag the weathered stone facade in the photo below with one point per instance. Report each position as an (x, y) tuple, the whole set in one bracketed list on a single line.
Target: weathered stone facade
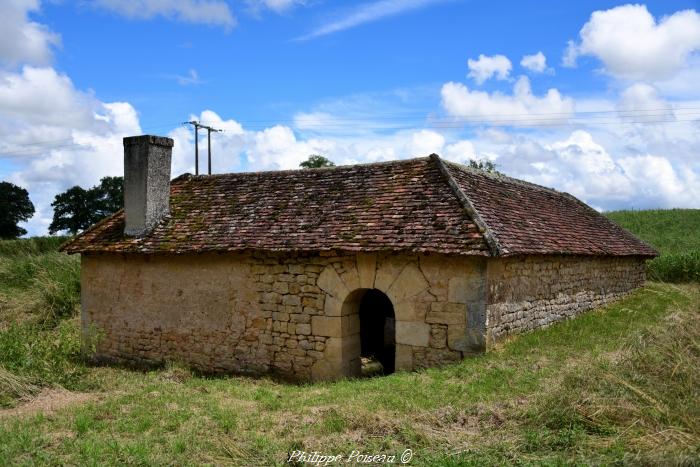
[(293, 315), (526, 293), (297, 315)]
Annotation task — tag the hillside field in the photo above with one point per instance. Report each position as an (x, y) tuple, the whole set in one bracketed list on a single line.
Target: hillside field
[(675, 233), (619, 385)]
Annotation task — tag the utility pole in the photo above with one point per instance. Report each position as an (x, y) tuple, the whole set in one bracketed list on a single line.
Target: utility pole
[(209, 129)]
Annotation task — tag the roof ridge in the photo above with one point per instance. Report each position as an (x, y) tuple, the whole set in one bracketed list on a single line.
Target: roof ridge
[(189, 176), (467, 205)]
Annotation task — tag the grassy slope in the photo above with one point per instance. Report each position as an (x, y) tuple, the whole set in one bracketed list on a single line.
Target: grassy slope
[(614, 385), (675, 233)]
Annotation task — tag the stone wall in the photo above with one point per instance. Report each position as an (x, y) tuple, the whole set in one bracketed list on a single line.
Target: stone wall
[(526, 293), (293, 315)]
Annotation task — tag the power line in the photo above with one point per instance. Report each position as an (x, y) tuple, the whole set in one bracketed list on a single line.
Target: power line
[(196, 125), (551, 119)]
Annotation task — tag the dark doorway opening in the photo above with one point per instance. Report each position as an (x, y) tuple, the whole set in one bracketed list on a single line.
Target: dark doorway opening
[(377, 332)]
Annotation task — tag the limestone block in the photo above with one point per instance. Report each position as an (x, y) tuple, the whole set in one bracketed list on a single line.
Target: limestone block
[(438, 337), (259, 323), (366, 269), (330, 282), (280, 287), (410, 311), (303, 329), (457, 337), (409, 283), (446, 317), (333, 306), (464, 289), (413, 333), (335, 326), (388, 270), (404, 358), (351, 279), (292, 300)]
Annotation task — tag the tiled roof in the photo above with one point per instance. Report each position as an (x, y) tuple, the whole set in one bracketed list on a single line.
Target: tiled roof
[(400, 206), (525, 218), (420, 205)]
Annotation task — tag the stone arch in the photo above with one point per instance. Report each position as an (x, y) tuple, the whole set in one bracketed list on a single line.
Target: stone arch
[(370, 315), (400, 279)]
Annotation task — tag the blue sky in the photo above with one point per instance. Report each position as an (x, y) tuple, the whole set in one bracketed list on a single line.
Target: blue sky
[(595, 98)]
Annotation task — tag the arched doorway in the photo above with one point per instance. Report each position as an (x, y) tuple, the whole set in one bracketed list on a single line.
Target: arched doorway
[(377, 333)]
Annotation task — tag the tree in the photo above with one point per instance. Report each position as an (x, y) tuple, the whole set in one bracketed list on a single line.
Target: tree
[(486, 166), (15, 207), (316, 161), (77, 209)]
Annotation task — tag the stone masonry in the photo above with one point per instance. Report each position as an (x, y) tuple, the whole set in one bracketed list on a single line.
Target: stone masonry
[(296, 315), (291, 315), (535, 291)]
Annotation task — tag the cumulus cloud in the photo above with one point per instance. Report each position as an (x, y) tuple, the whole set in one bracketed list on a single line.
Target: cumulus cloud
[(426, 142), (536, 63), (641, 102), (582, 166), (486, 67), (212, 12), (278, 148), (522, 108), (632, 44), (21, 39)]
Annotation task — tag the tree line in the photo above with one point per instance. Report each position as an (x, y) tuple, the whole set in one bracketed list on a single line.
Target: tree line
[(78, 208)]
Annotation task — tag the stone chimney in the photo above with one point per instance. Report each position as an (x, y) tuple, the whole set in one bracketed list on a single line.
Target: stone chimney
[(146, 182)]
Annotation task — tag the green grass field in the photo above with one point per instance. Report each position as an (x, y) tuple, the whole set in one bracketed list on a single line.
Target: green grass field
[(619, 385), (675, 233)]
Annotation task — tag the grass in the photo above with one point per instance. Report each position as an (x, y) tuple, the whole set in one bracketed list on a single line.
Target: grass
[(615, 386), (675, 233), (37, 282)]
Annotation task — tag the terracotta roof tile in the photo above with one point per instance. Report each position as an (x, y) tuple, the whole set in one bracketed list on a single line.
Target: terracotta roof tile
[(417, 205), (398, 206), (527, 219)]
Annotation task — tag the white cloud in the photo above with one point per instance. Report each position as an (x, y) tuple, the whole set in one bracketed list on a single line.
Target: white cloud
[(58, 136), (192, 77), (522, 108), (278, 148), (278, 6), (23, 40), (633, 45), (536, 63), (212, 12), (640, 102), (487, 66), (461, 151), (426, 142), (366, 13), (600, 175)]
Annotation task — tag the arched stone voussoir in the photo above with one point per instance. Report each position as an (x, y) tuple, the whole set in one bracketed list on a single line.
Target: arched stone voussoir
[(409, 283), (330, 282)]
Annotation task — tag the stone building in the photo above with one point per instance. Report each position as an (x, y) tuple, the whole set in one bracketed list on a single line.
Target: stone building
[(299, 273)]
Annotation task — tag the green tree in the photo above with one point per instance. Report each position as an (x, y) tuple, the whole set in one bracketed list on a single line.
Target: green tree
[(76, 209), (486, 166), (15, 207), (316, 161)]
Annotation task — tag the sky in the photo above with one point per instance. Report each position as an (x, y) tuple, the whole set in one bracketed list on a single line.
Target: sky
[(599, 99)]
